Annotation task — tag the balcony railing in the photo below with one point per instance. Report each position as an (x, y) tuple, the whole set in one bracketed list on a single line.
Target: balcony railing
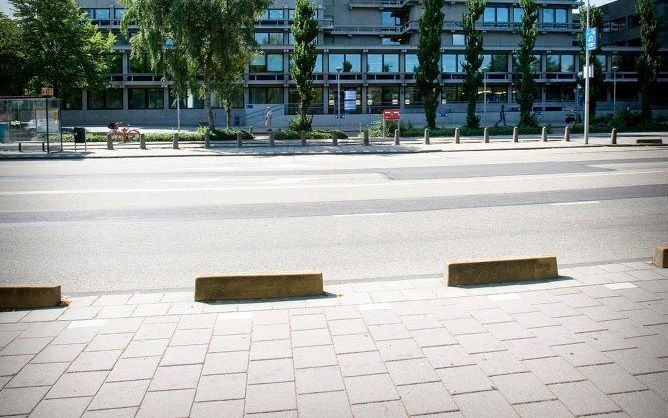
[(381, 3)]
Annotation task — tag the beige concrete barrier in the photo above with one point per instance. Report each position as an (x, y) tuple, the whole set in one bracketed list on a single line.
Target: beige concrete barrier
[(29, 296), (661, 256), (258, 286), (500, 271)]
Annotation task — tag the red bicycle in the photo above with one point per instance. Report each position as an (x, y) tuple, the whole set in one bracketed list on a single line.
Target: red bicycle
[(123, 133)]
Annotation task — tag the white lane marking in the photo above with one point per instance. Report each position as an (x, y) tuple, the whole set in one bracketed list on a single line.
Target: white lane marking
[(584, 202), (363, 214), (618, 286), (396, 183)]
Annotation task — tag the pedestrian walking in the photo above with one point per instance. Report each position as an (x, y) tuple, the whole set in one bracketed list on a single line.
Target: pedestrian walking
[(502, 116), (267, 118)]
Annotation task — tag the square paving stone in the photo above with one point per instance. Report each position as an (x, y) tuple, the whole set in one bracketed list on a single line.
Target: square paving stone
[(80, 313), (341, 312), (320, 405), (220, 387), (25, 346), (221, 409), (71, 385), (399, 350), (271, 371), (553, 370), (608, 341), (426, 398), (548, 409), (372, 388), (509, 331), (222, 343), (17, 401), (432, 337), (197, 321), (347, 326), (186, 354), (424, 321), (636, 361), (583, 398), (581, 355), (558, 335), (270, 397), (122, 311), (557, 310), (95, 360), (176, 377), (611, 378), (500, 362), (491, 316), (167, 404), (355, 343), (357, 364), (577, 324), (145, 348), (316, 356), (391, 409), (378, 317), (61, 408), (109, 342), (121, 325), (463, 326), (658, 382), (406, 372), (522, 388), (389, 332), (120, 394), (479, 343), (644, 404), (319, 379), (270, 332), (82, 335), (155, 331), (484, 404), (231, 326), (302, 322), (311, 337), (151, 309), (529, 348), (220, 363), (465, 379), (267, 350), (190, 337), (38, 375), (448, 356), (10, 365)]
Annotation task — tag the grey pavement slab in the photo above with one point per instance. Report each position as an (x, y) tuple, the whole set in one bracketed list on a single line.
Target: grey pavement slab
[(167, 404)]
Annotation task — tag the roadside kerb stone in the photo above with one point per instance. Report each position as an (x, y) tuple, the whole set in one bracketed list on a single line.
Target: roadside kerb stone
[(29, 296)]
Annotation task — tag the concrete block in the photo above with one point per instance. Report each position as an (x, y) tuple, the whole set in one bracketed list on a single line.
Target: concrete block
[(366, 137), (302, 136), (142, 141), (29, 296), (486, 135), (272, 140), (543, 134), (258, 286), (613, 136), (110, 142), (649, 141), (500, 271), (335, 139), (567, 134), (397, 141), (661, 256), (457, 134), (516, 137), (426, 136), (175, 141)]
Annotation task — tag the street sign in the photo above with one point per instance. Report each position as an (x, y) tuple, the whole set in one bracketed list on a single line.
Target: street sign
[(590, 39), (391, 114), (349, 99)]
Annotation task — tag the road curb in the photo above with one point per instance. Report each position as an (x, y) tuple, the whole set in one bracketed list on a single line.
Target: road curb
[(20, 297), (661, 256), (258, 286), (461, 273)]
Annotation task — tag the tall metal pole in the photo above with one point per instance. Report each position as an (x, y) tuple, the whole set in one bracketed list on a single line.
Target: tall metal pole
[(587, 74), (178, 113), (484, 97), (614, 90), (338, 95)]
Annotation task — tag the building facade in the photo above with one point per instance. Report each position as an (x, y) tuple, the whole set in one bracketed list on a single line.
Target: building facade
[(373, 43)]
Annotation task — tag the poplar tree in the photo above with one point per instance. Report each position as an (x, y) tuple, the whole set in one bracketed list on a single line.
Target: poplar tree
[(648, 64), (429, 58), (305, 32), (473, 55), (525, 58)]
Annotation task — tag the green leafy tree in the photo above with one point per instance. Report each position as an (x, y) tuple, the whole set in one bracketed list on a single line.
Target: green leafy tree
[(62, 48), (648, 64), (525, 59), (305, 32), (429, 57), (473, 54), (12, 61), (347, 66), (597, 82)]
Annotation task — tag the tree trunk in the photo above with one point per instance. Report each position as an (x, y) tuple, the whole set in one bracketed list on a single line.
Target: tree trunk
[(209, 114)]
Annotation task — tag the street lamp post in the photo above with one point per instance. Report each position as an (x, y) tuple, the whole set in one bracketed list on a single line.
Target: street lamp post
[(587, 74), (338, 95), (484, 96), (614, 89)]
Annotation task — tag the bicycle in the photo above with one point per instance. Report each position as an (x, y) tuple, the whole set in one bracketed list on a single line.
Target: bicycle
[(123, 134)]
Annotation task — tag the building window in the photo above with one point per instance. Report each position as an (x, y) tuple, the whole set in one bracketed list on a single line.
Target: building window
[(102, 14), (390, 41), (453, 94), (265, 95), (146, 98), (291, 14), (554, 17), (345, 92), (382, 63), (624, 62), (452, 63), (535, 64), (379, 98), (268, 63), (73, 100), (518, 13), (190, 101), (272, 38), (458, 39), (411, 63), (116, 65), (560, 63), (316, 104), (349, 63), (275, 14), (119, 13), (537, 95), (90, 13), (560, 93), (497, 63), (412, 97), (389, 19), (496, 15), (138, 65), (601, 60), (105, 99), (317, 68)]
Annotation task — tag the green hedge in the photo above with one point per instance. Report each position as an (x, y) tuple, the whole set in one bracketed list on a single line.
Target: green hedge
[(604, 129), (317, 134), (217, 135)]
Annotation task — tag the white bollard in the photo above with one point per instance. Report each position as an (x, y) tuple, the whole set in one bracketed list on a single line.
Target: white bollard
[(567, 134), (426, 136), (486, 135), (397, 141), (516, 136), (457, 139), (543, 134), (613, 136), (175, 141)]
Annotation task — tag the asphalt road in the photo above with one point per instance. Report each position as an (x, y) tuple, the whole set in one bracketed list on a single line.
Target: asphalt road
[(157, 223)]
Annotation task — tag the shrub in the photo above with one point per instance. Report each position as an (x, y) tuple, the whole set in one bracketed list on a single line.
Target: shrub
[(317, 134)]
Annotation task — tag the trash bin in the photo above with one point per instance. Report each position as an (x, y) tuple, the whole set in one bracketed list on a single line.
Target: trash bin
[(4, 128), (79, 135)]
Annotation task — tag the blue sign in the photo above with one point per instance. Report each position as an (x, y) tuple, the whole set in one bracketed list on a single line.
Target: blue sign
[(590, 39)]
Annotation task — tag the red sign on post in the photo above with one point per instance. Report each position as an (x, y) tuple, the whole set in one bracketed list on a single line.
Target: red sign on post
[(391, 114)]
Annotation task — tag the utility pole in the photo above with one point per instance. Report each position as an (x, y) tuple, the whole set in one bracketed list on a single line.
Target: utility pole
[(614, 89), (588, 74), (338, 95), (484, 96)]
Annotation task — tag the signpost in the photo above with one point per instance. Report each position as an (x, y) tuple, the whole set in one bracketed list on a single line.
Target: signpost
[(590, 45), (349, 99), (391, 114)]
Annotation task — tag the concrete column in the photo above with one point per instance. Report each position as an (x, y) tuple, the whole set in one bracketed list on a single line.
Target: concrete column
[(325, 100), (335, 139), (364, 99), (402, 98), (125, 98), (110, 142)]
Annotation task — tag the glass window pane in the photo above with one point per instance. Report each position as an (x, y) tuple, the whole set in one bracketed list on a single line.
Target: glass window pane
[(355, 61), (317, 68), (257, 64), (335, 60), (275, 14), (490, 15), (156, 98), (567, 63), (114, 99), (560, 16), (387, 19), (291, 39), (548, 15), (90, 13), (256, 96), (411, 63), (274, 95), (275, 63), (601, 60), (499, 63), (391, 63), (374, 63), (502, 14), (275, 39), (552, 64), (461, 59), (119, 13), (136, 99), (95, 100), (518, 12), (291, 14), (449, 63), (262, 38), (102, 14), (72, 100), (116, 65), (486, 62), (458, 39), (537, 64)]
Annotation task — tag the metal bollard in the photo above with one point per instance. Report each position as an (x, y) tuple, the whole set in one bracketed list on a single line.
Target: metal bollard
[(567, 134), (397, 141), (457, 136), (250, 129), (486, 135), (516, 136), (142, 141), (303, 138), (335, 139), (366, 137), (272, 140), (175, 141), (240, 140), (613, 136), (110, 142), (543, 134), (426, 136)]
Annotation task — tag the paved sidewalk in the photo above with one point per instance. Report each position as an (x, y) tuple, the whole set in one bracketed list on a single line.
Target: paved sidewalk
[(594, 342), (346, 146)]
